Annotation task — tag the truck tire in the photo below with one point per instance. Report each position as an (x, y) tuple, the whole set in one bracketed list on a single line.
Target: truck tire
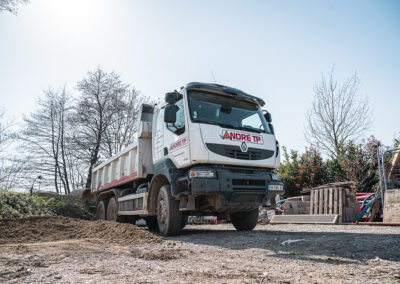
[(169, 218), (112, 210), (101, 210), (245, 221), (184, 221), (151, 222)]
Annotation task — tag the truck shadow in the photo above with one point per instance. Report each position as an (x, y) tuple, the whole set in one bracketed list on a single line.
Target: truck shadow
[(353, 247)]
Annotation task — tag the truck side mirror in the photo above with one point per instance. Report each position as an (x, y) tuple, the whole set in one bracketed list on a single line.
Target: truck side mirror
[(172, 97), (268, 117), (170, 113)]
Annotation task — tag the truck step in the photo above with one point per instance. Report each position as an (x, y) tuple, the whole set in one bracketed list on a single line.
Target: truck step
[(133, 204)]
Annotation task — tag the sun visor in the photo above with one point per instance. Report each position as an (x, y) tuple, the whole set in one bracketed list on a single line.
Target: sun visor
[(224, 90)]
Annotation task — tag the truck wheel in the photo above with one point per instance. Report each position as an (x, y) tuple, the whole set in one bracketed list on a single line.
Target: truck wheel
[(168, 216), (112, 210), (245, 221), (151, 222), (184, 221), (101, 210)]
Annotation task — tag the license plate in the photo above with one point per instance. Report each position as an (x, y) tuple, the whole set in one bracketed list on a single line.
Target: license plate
[(275, 187)]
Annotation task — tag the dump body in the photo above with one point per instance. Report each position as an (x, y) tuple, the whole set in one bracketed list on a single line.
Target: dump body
[(133, 162)]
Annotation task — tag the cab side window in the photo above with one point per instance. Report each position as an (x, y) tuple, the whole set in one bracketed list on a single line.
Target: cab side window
[(179, 126)]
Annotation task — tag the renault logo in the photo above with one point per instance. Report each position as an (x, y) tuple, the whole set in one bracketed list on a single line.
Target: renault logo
[(243, 147)]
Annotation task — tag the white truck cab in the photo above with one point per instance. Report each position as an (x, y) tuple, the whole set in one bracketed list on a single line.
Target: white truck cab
[(209, 150)]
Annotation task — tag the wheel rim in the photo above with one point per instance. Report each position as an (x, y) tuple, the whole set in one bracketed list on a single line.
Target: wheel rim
[(112, 210), (111, 213), (162, 211)]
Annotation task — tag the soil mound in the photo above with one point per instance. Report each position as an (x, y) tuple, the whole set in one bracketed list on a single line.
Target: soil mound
[(47, 229)]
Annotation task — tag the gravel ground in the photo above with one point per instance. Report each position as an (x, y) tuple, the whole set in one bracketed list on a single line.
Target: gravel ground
[(215, 254)]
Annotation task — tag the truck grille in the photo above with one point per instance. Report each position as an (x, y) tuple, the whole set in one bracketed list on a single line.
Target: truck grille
[(256, 182), (249, 184), (235, 152)]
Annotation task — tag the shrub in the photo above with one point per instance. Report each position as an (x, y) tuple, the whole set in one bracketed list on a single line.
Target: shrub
[(356, 163), (17, 204), (307, 171)]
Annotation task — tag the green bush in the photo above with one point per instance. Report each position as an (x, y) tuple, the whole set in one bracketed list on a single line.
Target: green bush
[(356, 162), (17, 204)]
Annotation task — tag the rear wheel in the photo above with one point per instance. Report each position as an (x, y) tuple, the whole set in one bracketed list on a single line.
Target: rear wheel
[(101, 210), (112, 210), (168, 216), (245, 221)]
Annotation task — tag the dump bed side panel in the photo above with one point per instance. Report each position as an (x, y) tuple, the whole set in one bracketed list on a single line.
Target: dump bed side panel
[(133, 162), (118, 170)]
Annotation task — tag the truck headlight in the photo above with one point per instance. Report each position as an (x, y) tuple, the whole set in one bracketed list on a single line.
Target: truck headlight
[(276, 177), (201, 174)]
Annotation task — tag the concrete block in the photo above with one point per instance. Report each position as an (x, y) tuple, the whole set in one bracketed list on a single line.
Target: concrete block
[(391, 210), (305, 219)]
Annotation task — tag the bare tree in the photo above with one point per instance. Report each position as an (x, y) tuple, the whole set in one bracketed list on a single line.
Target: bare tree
[(65, 138), (46, 135), (339, 114), (98, 107), (11, 5), (10, 167), (123, 127), (5, 133)]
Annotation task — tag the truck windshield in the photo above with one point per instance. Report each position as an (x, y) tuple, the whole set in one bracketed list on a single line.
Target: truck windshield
[(226, 112)]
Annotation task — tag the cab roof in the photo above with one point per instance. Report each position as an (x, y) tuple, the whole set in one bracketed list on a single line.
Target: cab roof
[(239, 94)]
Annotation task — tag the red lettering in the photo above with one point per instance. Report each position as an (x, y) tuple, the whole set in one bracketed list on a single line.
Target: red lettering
[(238, 136)]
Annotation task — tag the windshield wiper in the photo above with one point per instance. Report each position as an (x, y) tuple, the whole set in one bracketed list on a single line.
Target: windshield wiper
[(250, 129)]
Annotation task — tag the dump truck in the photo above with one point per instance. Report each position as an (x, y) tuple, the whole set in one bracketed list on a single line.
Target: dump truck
[(208, 150)]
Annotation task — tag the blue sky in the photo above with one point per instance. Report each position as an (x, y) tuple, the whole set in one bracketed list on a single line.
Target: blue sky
[(276, 50)]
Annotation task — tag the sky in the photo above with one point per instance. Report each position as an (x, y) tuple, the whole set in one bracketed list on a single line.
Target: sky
[(276, 50)]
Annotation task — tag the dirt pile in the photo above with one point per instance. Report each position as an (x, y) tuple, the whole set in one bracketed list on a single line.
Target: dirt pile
[(48, 229)]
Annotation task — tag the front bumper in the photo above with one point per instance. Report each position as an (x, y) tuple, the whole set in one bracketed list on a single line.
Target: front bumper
[(236, 187)]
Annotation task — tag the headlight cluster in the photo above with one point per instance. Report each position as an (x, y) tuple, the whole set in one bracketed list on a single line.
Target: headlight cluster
[(276, 177), (201, 174)]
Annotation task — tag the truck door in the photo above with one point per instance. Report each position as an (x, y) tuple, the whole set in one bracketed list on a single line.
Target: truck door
[(176, 139), (158, 135)]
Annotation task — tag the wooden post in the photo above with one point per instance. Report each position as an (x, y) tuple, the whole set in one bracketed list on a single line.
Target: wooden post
[(326, 198), (316, 193), (340, 191), (330, 201), (335, 201), (312, 201), (321, 201)]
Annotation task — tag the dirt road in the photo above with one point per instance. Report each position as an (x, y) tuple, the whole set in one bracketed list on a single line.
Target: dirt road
[(206, 254)]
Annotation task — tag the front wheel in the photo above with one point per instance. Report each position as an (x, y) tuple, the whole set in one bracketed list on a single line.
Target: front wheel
[(245, 221), (169, 218)]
